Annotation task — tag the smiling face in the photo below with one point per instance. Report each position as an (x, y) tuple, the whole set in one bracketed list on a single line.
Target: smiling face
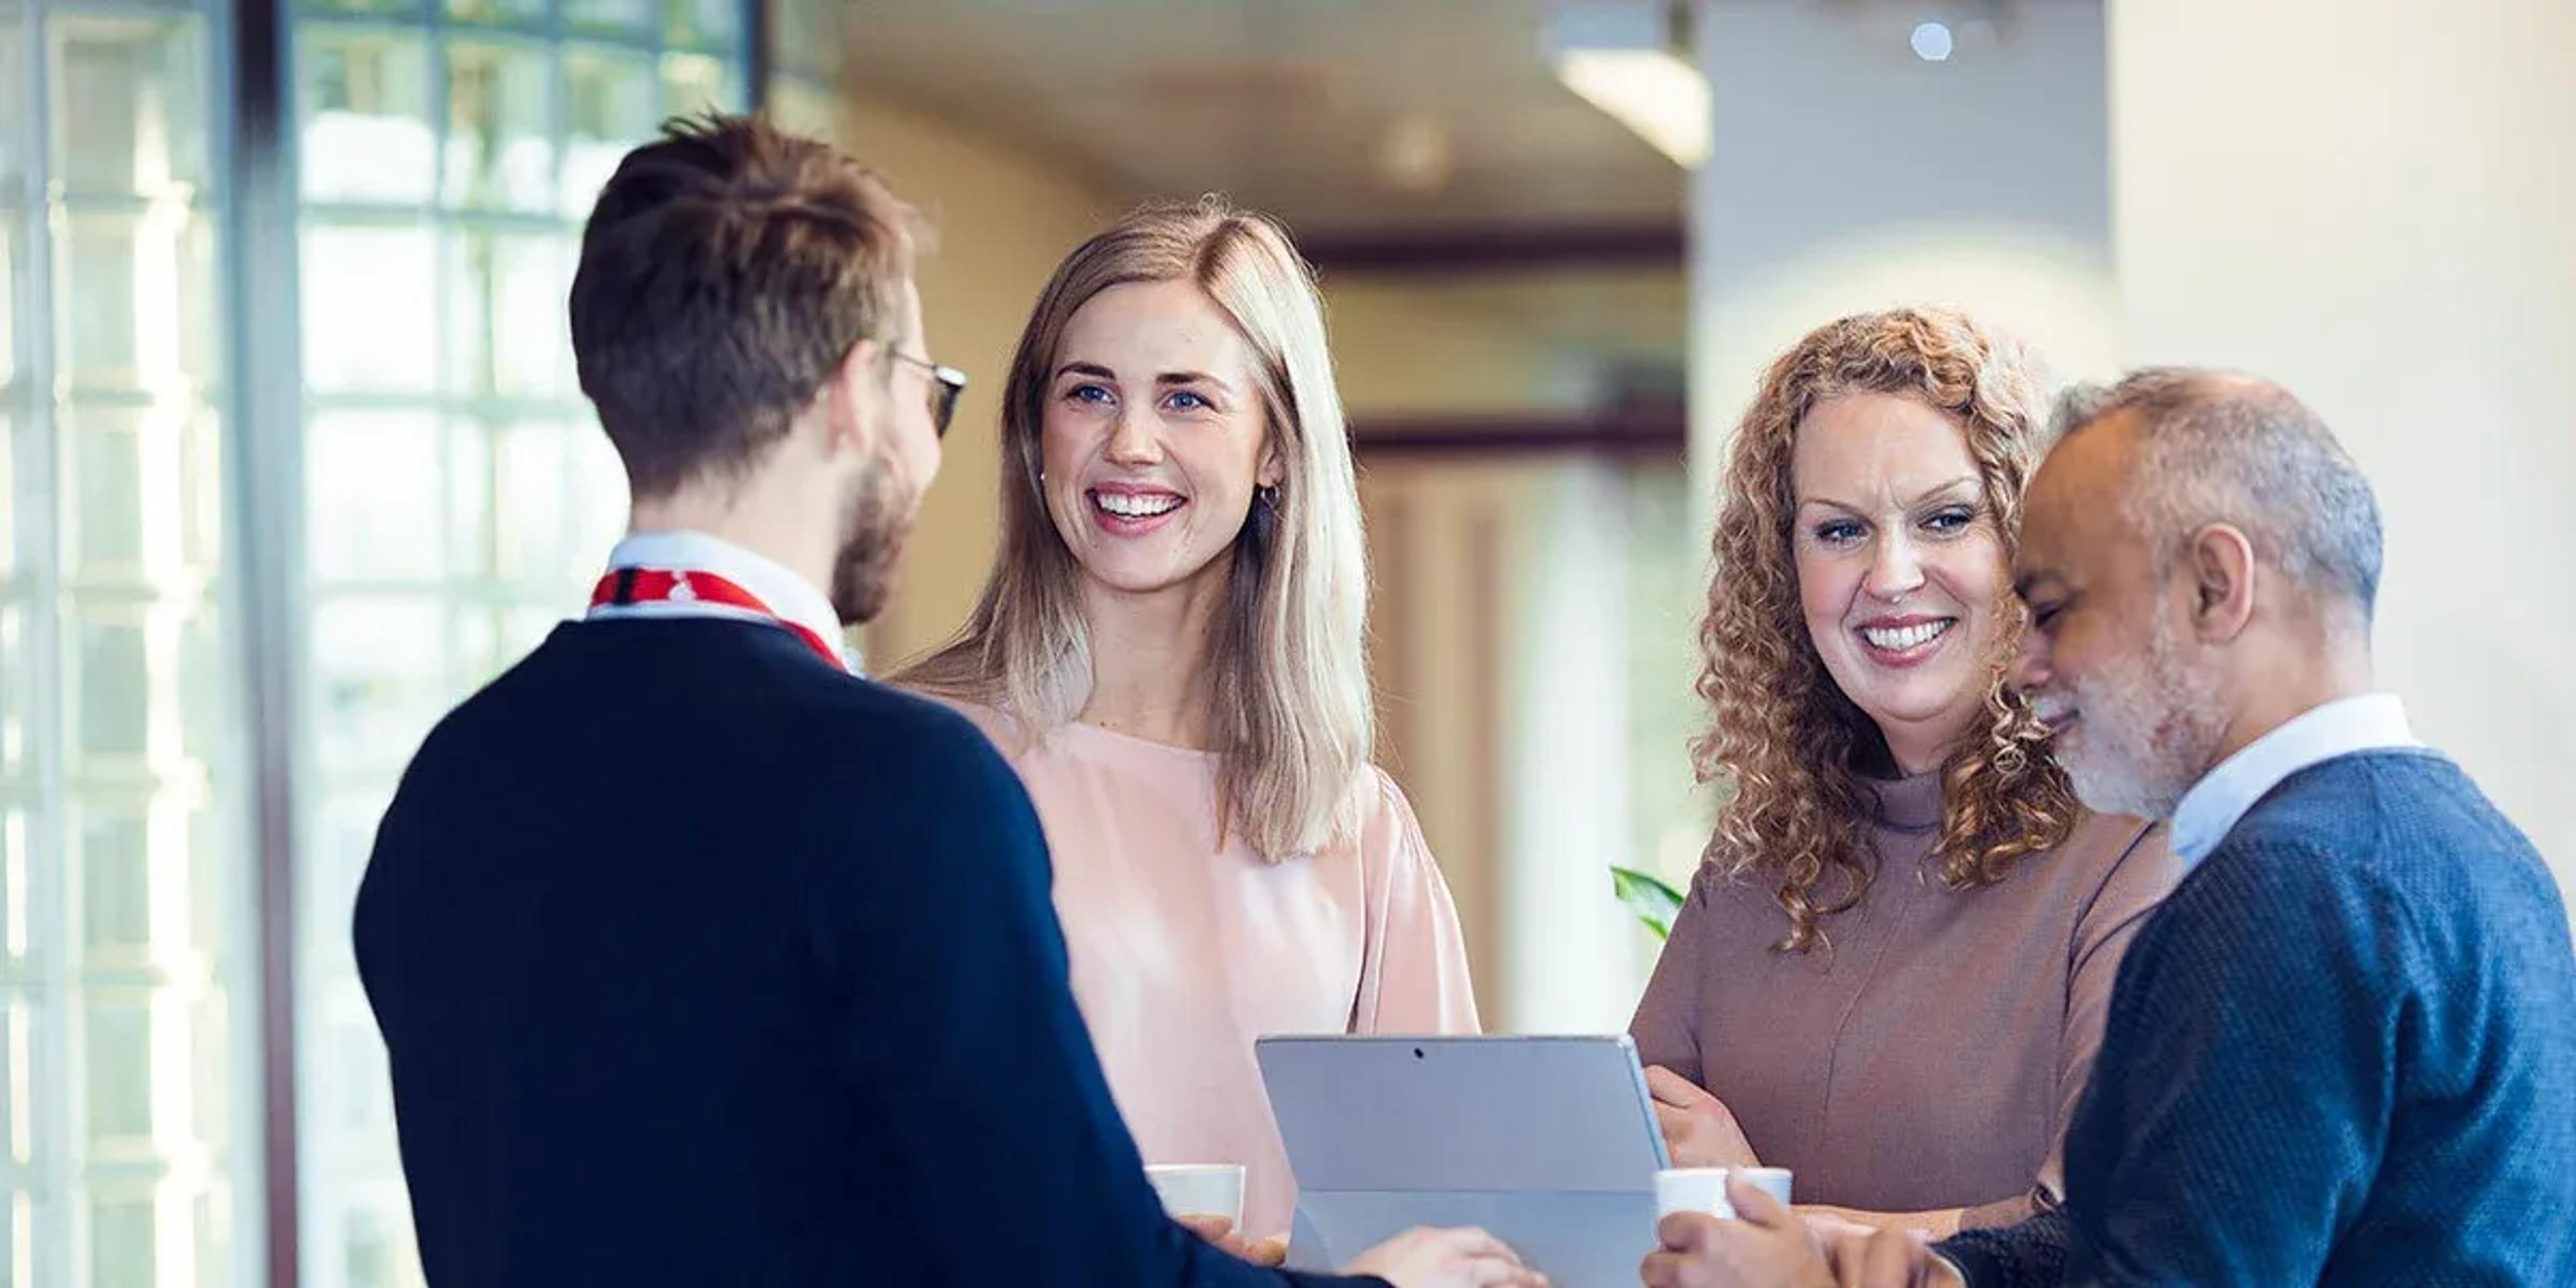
[(2106, 663), (1900, 568), (1153, 437)]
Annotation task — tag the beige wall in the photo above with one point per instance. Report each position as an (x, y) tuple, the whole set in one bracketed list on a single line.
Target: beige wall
[(2374, 202), (1399, 352), (1441, 555), (1005, 217)]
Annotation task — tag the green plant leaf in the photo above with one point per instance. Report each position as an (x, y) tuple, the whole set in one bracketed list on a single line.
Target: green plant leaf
[(1654, 903)]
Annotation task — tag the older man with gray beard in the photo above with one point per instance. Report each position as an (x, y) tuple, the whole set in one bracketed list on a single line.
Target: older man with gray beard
[(2344, 1050)]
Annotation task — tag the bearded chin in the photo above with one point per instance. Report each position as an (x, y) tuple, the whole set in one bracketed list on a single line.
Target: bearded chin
[(871, 536), (2106, 785), (2150, 728)]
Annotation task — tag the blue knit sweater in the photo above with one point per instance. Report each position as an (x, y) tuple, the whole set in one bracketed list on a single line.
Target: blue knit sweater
[(2343, 1052)]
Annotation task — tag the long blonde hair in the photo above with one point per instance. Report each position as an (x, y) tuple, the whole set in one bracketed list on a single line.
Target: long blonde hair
[(1286, 674), (1782, 734)]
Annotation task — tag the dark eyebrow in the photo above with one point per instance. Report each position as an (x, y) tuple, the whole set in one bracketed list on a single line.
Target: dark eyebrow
[(1092, 369)]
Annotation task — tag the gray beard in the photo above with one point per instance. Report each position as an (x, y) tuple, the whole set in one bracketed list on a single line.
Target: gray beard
[(2148, 729)]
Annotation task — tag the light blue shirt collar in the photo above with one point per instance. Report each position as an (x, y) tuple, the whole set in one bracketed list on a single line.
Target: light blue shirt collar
[(785, 590), (2214, 805)]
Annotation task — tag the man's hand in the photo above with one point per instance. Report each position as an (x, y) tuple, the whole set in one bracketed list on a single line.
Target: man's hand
[(1831, 1223), (1219, 1231), (1888, 1259), (1865, 1256), (1935, 1224), (1699, 1130), (1446, 1259), (1767, 1247)]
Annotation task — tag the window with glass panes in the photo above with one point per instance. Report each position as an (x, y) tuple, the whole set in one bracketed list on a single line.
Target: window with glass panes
[(124, 921), (805, 37), (458, 495), (456, 499)]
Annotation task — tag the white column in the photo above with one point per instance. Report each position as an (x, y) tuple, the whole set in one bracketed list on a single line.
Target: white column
[(2374, 202), (1574, 966), (1846, 173)]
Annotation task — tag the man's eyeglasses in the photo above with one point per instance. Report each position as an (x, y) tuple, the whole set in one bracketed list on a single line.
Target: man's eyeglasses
[(945, 384)]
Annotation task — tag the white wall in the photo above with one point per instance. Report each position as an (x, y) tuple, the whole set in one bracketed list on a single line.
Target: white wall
[(1846, 174), (2374, 202), (1575, 964)]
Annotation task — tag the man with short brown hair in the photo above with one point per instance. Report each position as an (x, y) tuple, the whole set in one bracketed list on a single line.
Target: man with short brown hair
[(700, 959)]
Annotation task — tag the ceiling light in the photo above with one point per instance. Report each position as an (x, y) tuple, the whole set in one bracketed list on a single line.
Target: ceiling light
[(1621, 58), (1416, 155), (1932, 43)]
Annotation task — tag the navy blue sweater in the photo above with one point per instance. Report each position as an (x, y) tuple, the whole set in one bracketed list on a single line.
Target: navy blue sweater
[(2343, 1052), (701, 962)]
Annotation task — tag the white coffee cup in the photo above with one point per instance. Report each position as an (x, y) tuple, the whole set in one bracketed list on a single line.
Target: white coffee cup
[(1199, 1189), (1703, 1189)]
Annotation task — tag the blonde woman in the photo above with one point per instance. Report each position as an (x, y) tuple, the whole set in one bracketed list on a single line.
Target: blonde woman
[(1169, 652), (1890, 975)]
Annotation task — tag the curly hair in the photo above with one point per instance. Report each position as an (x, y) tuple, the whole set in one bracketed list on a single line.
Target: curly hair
[(1792, 746)]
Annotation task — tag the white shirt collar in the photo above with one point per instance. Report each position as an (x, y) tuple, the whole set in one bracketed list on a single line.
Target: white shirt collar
[(786, 591), (2214, 805)]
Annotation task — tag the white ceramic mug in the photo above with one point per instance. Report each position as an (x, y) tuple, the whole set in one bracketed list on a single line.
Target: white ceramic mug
[(1199, 1189), (1703, 1189)]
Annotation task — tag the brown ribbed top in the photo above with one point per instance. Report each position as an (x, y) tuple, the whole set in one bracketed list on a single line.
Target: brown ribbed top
[(1930, 1058)]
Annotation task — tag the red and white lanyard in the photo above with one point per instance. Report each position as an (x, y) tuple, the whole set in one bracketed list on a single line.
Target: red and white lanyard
[(629, 587)]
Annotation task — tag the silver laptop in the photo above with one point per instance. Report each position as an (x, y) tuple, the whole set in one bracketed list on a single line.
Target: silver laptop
[(1548, 1142)]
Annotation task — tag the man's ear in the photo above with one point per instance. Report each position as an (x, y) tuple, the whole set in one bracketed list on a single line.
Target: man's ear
[(854, 397), (2220, 563)]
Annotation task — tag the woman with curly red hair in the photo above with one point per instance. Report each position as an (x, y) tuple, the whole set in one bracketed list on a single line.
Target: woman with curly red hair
[(1891, 970)]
